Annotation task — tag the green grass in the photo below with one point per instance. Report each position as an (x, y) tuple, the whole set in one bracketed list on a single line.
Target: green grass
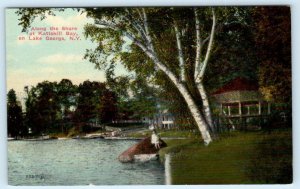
[(165, 133), (139, 134), (241, 158), (177, 133)]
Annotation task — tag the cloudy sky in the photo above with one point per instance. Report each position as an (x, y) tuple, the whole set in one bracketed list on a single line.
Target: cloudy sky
[(29, 62)]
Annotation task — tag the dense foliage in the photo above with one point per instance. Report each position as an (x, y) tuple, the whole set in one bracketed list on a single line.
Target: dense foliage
[(273, 44), (52, 107), (14, 116)]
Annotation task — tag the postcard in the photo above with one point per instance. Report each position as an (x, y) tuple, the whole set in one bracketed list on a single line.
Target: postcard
[(149, 95)]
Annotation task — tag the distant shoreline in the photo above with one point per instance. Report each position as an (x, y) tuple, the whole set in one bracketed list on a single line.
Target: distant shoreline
[(70, 138)]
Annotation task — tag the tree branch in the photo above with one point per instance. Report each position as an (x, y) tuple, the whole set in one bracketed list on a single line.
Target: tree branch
[(148, 51), (140, 14), (198, 44), (147, 30), (205, 40), (137, 26), (180, 53), (212, 33), (127, 34)]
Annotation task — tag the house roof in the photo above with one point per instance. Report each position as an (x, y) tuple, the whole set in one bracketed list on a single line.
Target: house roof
[(238, 84)]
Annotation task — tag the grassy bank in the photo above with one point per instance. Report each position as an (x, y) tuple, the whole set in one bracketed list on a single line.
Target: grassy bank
[(241, 158), (165, 133)]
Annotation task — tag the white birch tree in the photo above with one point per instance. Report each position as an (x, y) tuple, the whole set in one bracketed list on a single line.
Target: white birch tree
[(200, 67), (133, 23)]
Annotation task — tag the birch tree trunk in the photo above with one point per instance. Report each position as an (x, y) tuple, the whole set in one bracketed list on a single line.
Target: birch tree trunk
[(200, 69), (194, 109), (202, 124), (206, 107)]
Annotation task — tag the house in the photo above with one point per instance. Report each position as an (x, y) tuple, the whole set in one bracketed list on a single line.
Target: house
[(163, 119), (239, 103)]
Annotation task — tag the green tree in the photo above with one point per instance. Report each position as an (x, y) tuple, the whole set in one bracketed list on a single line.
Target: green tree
[(15, 125), (43, 108), (142, 99), (273, 44), (66, 92), (234, 53), (67, 98), (120, 84), (95, 101), (109, 106), (145, 99)]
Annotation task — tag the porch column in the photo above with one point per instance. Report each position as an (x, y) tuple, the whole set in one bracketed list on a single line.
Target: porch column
[(240, 108), (259, 107), (269, 108), (229, 112), (221, 109)]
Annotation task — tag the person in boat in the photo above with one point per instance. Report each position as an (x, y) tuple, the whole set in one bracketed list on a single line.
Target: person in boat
[(155, 140)]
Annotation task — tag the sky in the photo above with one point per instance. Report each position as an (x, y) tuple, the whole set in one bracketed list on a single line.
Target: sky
[(29, 62)]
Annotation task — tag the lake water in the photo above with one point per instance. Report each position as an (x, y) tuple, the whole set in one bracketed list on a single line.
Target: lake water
[(77, 162)]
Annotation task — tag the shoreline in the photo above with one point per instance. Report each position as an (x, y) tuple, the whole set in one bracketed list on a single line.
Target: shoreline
[(93, 137), (70, 138)]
